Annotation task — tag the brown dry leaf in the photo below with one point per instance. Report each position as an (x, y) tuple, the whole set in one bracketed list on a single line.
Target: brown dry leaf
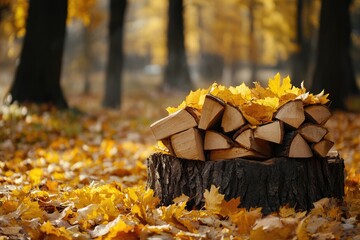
[(230, 207)]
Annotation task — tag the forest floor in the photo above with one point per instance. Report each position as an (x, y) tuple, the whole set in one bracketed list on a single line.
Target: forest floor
[(81, 175)]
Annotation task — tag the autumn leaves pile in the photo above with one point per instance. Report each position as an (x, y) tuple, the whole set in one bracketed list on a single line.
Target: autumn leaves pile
[(255, 123)]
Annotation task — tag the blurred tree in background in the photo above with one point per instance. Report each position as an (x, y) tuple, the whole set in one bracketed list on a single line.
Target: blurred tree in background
[(179, 44), (334, 68), (177, 74), (37, 77), (113, 80)]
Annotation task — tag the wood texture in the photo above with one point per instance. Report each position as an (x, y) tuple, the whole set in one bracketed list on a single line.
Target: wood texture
[(211, 112), (272, 132), (317, 113), (215, 140), (188, 144), (268, 184), (292, 113), (312, 132), (174, 123), (232, 119)]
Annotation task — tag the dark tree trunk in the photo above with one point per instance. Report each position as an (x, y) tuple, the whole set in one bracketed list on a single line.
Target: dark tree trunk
[(176, 71), (253, 44), (37, 77), (334, 71), (115, 62), (301, 58), (269, 184)]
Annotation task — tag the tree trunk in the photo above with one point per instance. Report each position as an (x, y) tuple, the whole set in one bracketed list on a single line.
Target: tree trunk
[(253, 45), (176, 71), (113, 80), (301, 58), (268, 184), (37, 77), (334, 71)]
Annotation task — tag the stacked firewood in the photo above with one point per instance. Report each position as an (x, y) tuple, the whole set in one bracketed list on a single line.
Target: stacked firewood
[(220, 132)]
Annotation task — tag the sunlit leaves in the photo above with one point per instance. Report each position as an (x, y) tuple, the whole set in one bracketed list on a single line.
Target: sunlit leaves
[(258, 104), (91, 184)]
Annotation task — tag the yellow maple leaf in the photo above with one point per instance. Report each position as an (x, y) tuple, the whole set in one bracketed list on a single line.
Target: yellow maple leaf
[(213, 199), (279, 88)]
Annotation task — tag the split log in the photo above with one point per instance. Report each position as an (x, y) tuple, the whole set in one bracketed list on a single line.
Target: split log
[(268, 184), (312, 132), (291, 113), (318, 113), (294, 146), (245, 138), (211, 112), (172, 124), (323, 147), (188, 144), (232, 119), (272, 132), (215, 140)]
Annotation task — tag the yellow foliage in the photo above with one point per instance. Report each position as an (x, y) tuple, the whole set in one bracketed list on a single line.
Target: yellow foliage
[(101, 195), (258, 104)]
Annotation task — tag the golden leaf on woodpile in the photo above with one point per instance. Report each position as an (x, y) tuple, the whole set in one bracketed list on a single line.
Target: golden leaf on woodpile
[(257, 114)]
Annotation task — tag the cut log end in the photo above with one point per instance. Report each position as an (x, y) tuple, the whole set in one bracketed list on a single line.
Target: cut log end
[(292, 113), (312, 132), (232, 119), (214, 140), (272, 132), (317, 113), (188, 144), (172, 124), (323, 147), (211, 112)]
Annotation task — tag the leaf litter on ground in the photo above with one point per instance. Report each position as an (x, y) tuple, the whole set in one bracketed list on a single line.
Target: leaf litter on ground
[(65, 175)]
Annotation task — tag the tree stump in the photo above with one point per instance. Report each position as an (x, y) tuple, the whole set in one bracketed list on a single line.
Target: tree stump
[(269, 184)]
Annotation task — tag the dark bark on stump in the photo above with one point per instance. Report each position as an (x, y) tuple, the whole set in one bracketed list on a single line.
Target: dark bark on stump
[(269, 184), (37, 77)]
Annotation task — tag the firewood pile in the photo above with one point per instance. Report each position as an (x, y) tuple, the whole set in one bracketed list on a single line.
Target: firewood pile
[(220, 123)]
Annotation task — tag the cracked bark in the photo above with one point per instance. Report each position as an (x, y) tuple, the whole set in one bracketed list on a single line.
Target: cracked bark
[(268, 184)]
